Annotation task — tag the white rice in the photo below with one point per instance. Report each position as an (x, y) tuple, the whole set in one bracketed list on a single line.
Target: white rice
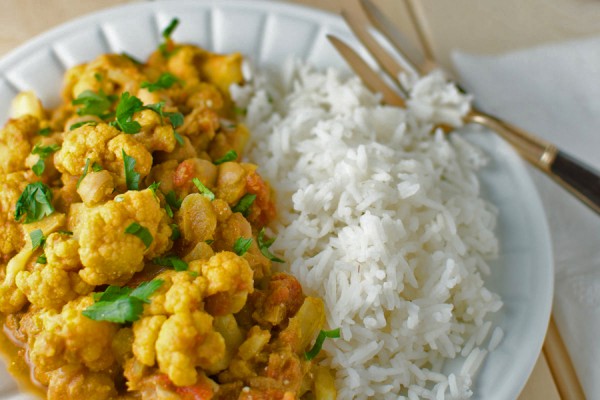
[(384, 221)]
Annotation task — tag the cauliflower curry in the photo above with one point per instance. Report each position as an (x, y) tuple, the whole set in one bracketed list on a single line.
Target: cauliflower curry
[(133, 254)]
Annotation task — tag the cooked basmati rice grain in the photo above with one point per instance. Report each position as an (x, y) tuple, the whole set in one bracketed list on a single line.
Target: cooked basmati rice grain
[(497, 336), (383, 220)]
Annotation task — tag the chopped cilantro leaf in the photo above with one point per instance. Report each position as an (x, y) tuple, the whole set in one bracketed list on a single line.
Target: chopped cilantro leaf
[(86, 167), (264, 244), (39, 167), (243, 206), (164, 47), (172, 200), (98, 77), (231, 155), (96, 167), (153, 188), (128, 105), (203, 189), (175, 232), (132, 178), (93, 103), (82, 123), (44, 152), (179, 138), (164, 81), (42, 259), (68, 233), (316, 349), (241, 245), (45, 131), (146, 289), (240, 111), (176, 118), (37, 238), (34, 203), (121, 305), (172, 262), (141, 232)]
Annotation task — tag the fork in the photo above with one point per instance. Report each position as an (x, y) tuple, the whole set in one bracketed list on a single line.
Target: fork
[(578, 178)]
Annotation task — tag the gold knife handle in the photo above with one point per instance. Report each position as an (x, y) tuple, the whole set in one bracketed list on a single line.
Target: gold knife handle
[(575, 176)]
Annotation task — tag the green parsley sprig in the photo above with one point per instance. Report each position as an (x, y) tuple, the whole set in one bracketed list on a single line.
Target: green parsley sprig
[(122, 304), (34, 203), (43, 152), (132, 178), (164, 81), (165, 46), (94, 103), (241, 245)]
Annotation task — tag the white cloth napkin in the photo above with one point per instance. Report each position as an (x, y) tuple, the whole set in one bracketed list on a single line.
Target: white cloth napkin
[(554, 92)]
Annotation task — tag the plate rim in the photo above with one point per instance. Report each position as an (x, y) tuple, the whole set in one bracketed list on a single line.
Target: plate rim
[(328, 19)]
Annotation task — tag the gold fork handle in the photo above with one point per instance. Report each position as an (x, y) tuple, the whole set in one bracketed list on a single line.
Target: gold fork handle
[(575, 176)]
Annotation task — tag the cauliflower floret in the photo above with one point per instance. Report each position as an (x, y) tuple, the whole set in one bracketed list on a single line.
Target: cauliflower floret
[(69, 337), (15, 143), (62, 251), (187, 340), (110, 255), (51, 286), (11, 233), (104, 145), (229, 278), (12, 299), (156, 134), (145, 333)]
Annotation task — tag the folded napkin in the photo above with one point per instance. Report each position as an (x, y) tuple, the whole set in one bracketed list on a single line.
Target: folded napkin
[(554, 92)]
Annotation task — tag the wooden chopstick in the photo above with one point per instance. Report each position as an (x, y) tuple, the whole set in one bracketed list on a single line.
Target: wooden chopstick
[(560, 365)]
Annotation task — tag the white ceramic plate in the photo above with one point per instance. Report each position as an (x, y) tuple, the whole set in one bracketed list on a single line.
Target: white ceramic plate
[(268, 32)]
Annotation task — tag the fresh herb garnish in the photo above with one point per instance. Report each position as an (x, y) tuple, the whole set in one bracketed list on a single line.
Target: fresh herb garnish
[(82, 123), (44, 152), (164, 81), (141, 232), (175, 118), (316, 349), (153, 188), (45, 131), (179, 138), (132, 178), (203, 189), (86, 167), (175, 232), (34, 203), (42, 259), (37, 238), (94, 103), (172, 262), (96, 167), (166, 34), (68, 233), (172, 203), (98, 77), (231, 155), (243, 206), (121, 305), (240, 111), (128, 105), (264, 244), (241, 245)]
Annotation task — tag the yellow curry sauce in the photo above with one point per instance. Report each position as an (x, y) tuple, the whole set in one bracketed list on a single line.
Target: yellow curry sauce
[(134, 261)]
